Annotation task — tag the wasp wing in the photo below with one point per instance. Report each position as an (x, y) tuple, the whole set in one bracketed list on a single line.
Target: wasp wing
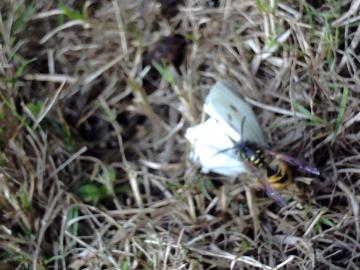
[(298, 163), (270, 191)]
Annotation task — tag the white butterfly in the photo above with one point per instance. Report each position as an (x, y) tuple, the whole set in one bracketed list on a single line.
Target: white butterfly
[(231, 131), (231, 120)]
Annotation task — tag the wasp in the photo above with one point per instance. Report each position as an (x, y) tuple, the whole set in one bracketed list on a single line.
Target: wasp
[(272, 169), (241, 130)]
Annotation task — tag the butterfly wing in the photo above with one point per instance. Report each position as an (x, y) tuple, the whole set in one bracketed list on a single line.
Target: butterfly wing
[(223, 104), (208, 143)]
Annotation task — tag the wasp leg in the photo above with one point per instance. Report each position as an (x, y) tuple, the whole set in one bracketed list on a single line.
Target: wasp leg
[(269, 189)]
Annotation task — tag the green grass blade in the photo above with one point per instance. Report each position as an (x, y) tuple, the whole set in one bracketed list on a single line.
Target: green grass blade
[(164, 71), (71, 13), (342, 109), (313, 119)]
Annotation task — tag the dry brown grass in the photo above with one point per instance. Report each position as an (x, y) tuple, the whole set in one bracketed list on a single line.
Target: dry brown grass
[(94, 171)]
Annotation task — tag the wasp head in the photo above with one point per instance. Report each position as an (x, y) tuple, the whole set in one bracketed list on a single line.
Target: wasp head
[(252, 153)]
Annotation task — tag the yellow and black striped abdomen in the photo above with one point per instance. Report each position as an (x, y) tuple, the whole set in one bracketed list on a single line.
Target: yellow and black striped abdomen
[(279, 174)]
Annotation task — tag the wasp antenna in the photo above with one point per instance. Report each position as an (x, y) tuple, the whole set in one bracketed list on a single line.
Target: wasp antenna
[(242, 128), (224, 150)]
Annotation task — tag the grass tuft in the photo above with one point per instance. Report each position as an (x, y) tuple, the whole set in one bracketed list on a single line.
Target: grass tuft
[(95, 99)]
